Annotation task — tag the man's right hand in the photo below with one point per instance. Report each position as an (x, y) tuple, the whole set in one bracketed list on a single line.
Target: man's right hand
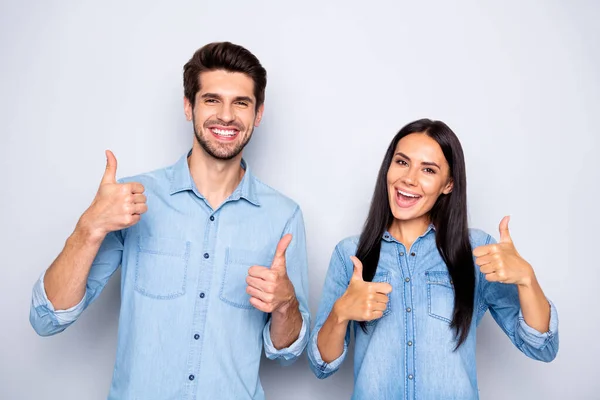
[(116, 205)]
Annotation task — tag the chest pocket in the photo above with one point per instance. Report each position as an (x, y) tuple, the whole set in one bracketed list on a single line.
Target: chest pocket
[(382, 276), (233, 284), (161, 267), (440, 295)]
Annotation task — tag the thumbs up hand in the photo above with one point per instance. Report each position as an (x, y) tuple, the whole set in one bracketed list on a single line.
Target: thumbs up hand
[(362, 301), (116, 205), (501, 262), (270, 289)]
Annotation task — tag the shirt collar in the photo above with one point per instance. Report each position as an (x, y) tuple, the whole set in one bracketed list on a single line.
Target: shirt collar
[(389, 238), (181, 180)]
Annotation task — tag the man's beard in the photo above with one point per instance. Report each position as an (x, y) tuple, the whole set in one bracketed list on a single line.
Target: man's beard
[(220, 151)]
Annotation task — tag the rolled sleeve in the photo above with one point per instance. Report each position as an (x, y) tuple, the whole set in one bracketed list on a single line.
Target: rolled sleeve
[(320, 368), (288, 354), (535, 339), (42, 311), (336, 283), (46, 320)]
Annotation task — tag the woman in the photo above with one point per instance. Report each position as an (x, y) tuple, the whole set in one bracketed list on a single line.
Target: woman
[(421, 281)]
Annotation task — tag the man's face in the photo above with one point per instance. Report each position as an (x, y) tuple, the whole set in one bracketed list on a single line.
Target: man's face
[(224, 115)]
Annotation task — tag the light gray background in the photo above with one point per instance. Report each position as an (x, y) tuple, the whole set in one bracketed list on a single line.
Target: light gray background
[(517, 81)]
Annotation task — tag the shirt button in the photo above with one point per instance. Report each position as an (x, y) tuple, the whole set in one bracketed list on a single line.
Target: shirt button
[(408, 309), (402, 254), (212, 217), (406, 279), (409, 343), (196, 336), (191, 377), (413, 254), (206, 255), (410, 376), (202, 295)]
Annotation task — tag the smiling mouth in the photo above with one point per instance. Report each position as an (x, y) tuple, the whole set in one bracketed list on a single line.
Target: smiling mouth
[(226, 134), (406, 199)]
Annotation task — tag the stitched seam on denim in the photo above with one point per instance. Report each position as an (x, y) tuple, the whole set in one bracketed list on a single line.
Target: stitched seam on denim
[(200, 304), (545, 340), (430, 312), (228, 262), (403, 276), (160, 253), (386, 279), (184, 258), (483, 282), (337, 251), (414, 349), (289, 221)]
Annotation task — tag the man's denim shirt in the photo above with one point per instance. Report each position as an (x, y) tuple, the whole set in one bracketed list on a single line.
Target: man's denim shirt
[(186, 328)]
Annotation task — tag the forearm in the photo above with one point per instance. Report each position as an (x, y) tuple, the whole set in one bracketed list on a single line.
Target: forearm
[(65, 280), (534, 306), (286, 325), (330, 339)]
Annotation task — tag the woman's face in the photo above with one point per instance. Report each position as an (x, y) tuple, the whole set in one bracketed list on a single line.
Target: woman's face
[(418, 175)]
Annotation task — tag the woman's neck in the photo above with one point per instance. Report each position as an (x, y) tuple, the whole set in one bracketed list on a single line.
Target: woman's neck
[(406, 232)]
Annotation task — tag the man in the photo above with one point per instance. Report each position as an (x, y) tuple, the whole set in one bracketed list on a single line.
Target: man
[(213, 261)]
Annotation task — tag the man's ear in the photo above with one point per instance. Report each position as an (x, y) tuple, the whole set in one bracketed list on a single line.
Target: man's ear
[(259, 115), (188, 109)]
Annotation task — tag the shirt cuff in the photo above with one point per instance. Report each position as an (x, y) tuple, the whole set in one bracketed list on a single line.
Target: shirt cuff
[(43, 306), (321, 368), (534, 338), (289, 353)]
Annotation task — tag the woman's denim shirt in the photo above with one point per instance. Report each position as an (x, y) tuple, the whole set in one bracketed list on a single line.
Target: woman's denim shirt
[(409, 352)]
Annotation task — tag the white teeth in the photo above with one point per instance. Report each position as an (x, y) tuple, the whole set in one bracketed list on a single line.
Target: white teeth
[(223, 132), (415, 196)]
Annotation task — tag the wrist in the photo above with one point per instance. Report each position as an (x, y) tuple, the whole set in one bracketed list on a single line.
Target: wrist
[(287, 307), (528, 281), (337, 315), (88, 232)]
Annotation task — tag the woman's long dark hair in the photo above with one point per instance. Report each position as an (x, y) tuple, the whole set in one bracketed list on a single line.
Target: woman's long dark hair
[(448, 215)]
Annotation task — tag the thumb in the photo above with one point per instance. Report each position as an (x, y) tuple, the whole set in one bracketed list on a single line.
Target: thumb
[(110, 175), (504, 233), (279, 259), (358, 269)]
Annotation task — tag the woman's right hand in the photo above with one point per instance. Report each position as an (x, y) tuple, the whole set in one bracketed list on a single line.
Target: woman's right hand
[(362, 301)]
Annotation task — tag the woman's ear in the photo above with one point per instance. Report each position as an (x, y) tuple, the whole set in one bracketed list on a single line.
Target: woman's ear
[(449, 187)]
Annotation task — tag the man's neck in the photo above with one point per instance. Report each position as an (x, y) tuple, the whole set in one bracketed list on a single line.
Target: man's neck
[(214, 179)]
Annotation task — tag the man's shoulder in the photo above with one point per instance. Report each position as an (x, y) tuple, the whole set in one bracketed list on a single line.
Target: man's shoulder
[(157, 179), (272, 197)]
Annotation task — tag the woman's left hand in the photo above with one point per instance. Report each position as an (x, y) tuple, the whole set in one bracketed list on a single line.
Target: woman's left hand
[(500, 262)]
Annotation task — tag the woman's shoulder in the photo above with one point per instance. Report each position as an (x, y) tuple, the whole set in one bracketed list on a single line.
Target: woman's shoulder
[(348, 246), (479, 237)]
